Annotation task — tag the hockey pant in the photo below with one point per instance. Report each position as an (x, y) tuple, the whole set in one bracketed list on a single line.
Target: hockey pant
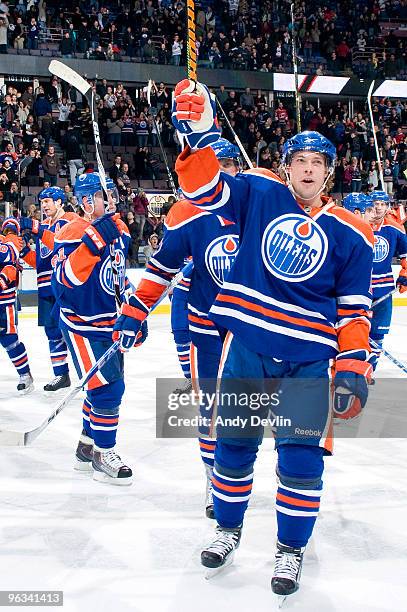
[(299, 395), (380, 326), (104, 391), (180, 329), (204, 369), (57, 346), (10, 341)]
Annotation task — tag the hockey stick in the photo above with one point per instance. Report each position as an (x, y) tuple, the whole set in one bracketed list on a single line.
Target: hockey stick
[(21, 438), (384, 297), (73, 78), (294, 53), (389, 356), (160, 142), (191, 41), (235, 136), (369, 104)]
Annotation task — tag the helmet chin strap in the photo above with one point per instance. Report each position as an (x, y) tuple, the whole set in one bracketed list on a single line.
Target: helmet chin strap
[(297, 195)]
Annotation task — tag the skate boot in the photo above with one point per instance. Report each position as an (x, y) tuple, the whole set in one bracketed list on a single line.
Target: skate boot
[(220, 553), (209, 493), (59, 382), (185, 389), (84, 453), (26, 384), (287, 571), (108, 467)]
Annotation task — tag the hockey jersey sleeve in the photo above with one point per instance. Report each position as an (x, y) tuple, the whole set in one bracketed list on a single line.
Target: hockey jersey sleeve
[(7, 254), (165, 264), (354, 294), (72, 261), (206, 187)]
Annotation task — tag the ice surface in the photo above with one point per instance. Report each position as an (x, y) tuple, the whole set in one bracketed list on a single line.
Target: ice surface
[(137, 548)]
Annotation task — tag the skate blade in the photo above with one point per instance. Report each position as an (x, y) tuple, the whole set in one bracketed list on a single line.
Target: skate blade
[(56, 393), (280, 600), (120, 482), (211, 572), (83, 466)]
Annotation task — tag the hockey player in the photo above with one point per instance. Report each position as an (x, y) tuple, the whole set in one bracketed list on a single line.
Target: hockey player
[(83, 285), (52, 200), (292, 303), (212, 243), (10, 247), (390, 241)]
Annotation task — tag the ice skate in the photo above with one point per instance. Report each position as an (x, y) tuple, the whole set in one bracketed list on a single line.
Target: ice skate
[(287, 571), (108, 467), (58, 383), (84, 453), (221, 552), (26, 384), (186, 388)]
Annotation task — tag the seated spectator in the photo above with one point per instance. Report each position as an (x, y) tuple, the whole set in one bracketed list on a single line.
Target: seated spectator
[(151, 247)]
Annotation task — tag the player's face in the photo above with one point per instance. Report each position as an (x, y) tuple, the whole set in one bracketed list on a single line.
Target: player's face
[(308, 172), (49, 207), (380, 209), (99, 203), (370, 214), (228, 165)]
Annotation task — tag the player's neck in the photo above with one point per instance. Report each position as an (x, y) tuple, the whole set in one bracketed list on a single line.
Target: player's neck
[(59, 213)]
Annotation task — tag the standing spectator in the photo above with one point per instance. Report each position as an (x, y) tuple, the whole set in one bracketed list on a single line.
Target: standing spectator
[(135, 242), (33, 34), (114, 171), (3, 33), (51, 166), (356, 184), (388, 177), (32, 173), (373, 177), (18, 37), (176, 51), (63, 109), (41, 106), (140, 209), (151, 247), (71, 143), (66, 46), (281, 116), (142, 132), (114, 129)]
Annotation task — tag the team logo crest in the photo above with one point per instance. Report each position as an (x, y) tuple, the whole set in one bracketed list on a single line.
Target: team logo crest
[(44, 250), (106, 276), (294, 247), (220, 256), (380, 249)]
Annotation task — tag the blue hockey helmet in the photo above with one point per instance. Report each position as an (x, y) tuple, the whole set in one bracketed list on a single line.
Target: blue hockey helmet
[(309, 141), (55, 193), (357, 201), (89, 184), (11, 224), (380, 196), (225, 149)]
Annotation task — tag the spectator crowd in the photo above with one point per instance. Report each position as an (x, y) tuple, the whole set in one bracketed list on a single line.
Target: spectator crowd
[(337, 36)]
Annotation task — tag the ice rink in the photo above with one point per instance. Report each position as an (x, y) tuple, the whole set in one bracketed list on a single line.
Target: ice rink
[(137, 548)]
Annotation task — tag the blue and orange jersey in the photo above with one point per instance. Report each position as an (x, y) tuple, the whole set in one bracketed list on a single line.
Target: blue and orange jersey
[(83, 283), (44, 246), (390, 241), (213, 243), (10, 246), (299, 288)]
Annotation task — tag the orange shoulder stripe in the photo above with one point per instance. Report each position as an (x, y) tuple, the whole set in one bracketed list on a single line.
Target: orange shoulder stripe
[(181, 212), (358, 223), (265, 172), (30, 259)]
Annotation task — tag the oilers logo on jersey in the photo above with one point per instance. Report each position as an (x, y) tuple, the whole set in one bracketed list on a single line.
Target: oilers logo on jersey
[(294, 248), (220, 255), (380, 249), (106, 276)]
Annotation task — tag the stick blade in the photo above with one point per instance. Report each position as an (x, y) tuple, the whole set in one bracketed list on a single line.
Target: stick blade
[(66, 73), (12, 438)]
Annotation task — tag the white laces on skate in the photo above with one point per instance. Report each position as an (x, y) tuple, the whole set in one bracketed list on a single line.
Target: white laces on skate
[(224, 542), (112, 459), (56, 381), (287, 565)]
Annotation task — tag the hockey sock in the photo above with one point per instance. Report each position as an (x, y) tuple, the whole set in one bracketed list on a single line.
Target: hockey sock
[(103, 426), (299, 491), (17, 353), (58, 351), (376, 351), (207, 449), (232, 482), (183, 351), (86, 409)]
